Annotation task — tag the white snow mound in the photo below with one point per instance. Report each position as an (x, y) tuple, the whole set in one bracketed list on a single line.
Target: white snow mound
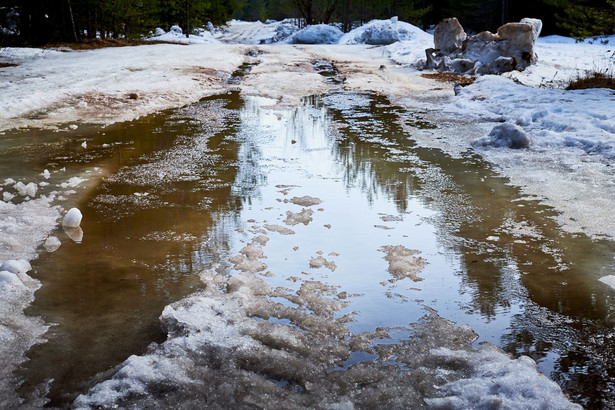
[(506, 135), (383, 32), (316, 34), (175, 35)]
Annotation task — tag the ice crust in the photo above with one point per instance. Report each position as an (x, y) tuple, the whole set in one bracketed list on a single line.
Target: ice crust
[(18, 332), (234, 345), (304, 217), (305, 201)]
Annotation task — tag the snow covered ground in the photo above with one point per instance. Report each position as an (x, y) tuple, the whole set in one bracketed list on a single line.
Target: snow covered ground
[(568, 163)]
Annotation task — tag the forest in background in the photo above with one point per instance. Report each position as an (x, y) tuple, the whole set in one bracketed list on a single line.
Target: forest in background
[(40, 22)]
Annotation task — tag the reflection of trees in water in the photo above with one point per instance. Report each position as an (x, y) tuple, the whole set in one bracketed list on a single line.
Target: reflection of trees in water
[(580, 350), (140, 252), (364, 152), (570, 312)]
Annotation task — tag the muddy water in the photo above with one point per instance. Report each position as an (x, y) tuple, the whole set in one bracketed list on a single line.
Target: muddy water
[(180, 190)]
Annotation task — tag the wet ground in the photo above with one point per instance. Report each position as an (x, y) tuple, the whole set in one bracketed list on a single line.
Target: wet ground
[(170, 195)]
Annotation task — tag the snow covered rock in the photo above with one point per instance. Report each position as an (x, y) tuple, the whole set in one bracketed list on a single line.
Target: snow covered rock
[(511, 48), (382, 32), (316, 34), (72, 218), (506, 135)]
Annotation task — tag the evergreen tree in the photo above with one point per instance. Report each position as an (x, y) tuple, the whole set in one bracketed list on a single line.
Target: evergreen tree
[(586, 18)]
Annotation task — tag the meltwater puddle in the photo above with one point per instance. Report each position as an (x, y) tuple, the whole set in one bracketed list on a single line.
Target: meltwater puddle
[(314, 238)]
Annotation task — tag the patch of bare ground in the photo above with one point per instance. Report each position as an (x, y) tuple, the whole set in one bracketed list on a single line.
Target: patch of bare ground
[(96, 43), (450, 78), (3, 65), (593, 80)]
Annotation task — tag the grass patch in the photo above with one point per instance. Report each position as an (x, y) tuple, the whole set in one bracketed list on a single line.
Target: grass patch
[(96, 43), (450, 78), (593, 80)]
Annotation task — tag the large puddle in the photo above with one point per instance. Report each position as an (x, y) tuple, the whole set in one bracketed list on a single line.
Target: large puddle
[(176, 193)]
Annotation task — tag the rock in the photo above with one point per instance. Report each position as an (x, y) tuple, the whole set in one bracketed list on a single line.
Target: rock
[(449, 36), (506, 135)]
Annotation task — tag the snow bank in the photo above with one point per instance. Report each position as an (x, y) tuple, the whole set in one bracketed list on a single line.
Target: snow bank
[(316, 34), (581, 119), (240, 343), (572, 144), (175, 35), (384, 32), (96, 85)]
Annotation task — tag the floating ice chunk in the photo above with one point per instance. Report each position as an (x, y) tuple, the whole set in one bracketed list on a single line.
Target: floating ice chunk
[(506, 135), (72, 218), (9, 181), (73, 126), (84, 144), (304, 217), (305, 201), (608, 280), (72, 182), (403, 263), (319, 262), (46, 174), (279, 229), (52, 244), (26, 190)]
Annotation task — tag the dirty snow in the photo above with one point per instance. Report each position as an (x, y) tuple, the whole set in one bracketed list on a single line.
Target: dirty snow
[(235, 345)]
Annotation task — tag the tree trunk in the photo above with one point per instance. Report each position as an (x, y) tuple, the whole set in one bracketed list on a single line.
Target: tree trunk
[(72, 20)]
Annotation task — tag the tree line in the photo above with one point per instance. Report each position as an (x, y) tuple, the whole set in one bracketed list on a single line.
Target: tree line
[(37, 22)]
